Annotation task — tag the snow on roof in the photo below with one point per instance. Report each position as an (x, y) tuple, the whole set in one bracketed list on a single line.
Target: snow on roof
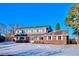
[(33, 27)]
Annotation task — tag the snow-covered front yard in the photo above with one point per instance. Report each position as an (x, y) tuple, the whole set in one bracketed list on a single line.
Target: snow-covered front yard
[(28, 49)]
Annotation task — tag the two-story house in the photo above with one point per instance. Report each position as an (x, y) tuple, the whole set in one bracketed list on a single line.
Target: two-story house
[(41, 34), (26, 34)]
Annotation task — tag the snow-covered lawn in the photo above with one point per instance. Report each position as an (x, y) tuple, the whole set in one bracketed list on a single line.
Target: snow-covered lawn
[(28, 49)]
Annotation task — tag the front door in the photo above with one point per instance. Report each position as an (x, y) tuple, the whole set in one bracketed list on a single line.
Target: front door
[(22, 39)]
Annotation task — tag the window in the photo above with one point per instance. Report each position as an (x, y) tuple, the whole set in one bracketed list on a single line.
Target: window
[(21, 38), (32, 31), (49, 37), (33, 37), (43, 30), (17, 32), (37, 30), (41, 38), (59, 37), (22, 31)]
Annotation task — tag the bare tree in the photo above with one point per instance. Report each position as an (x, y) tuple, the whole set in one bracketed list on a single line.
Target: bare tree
[(13, 27), (2, 28)]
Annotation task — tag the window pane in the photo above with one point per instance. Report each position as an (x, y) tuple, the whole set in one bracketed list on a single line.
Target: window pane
[(49, 37), (41, 38), (21, 38), (34, 38), (59, 37), (37, 30)]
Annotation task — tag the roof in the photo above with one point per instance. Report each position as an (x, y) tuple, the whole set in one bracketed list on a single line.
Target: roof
[(33, 27), (59, 32)]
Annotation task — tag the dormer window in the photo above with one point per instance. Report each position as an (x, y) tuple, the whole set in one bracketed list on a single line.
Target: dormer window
[(22, 32), (32, 30), (37, 30), (17, 31), (43, 30)]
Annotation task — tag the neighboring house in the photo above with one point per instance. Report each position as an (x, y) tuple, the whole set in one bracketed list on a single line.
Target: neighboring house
[(41, 34)]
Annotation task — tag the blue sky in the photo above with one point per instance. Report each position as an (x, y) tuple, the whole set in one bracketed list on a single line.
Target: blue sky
[(35, 14)]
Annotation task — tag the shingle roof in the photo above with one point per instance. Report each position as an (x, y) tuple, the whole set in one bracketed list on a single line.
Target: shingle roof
[(33, 27), (59, 32)]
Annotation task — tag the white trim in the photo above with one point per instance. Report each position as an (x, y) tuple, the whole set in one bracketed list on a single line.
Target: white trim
[(38, 38)]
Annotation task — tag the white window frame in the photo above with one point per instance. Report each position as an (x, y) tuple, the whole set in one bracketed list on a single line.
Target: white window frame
[(23, 31), (49, 35), (59, 35)]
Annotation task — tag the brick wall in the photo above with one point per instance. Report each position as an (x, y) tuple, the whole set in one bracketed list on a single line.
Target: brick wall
[(53, 40)]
